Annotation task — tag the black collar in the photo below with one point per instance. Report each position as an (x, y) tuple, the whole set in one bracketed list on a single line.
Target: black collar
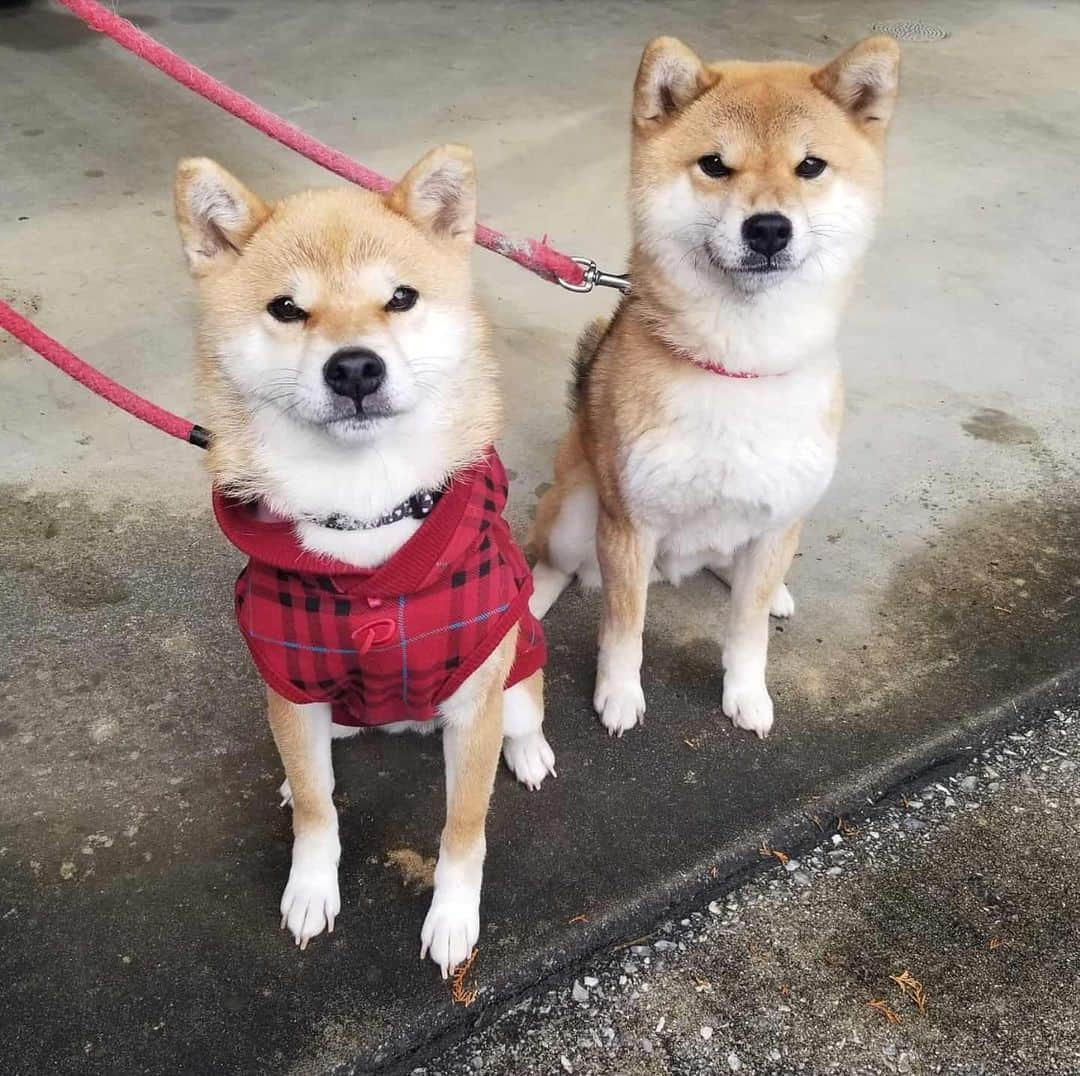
[(418, 506)]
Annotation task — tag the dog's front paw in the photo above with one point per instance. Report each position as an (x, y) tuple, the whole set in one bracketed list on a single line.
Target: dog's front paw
[(452, 927), (285, 792), (783, 604), (748, 705), (529, 758), (311, 900), (620, 704)]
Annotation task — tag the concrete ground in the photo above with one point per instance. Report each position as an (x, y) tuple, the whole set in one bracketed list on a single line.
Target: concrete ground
[(141, 854)]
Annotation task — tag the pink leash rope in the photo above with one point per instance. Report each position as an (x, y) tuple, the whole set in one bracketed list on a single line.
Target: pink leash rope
[(534, 255), (97, 382)]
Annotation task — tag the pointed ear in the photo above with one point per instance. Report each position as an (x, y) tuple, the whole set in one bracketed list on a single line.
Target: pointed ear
[(439, 194), (863, 81), (669, 78), (215, 212)]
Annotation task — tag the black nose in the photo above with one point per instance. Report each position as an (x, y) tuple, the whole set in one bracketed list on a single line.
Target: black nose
[(355, 372), (767, 233)]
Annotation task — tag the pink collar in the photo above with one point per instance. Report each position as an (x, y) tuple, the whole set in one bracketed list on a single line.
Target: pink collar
[(723, 371), (716, 368)]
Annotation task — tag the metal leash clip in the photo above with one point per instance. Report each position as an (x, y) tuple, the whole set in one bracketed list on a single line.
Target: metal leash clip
[(593, 277)]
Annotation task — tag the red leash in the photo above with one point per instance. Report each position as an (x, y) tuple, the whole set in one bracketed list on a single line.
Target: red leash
[(534, 255)]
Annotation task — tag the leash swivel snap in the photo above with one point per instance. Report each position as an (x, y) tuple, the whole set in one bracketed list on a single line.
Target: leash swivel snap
[(594, 277)]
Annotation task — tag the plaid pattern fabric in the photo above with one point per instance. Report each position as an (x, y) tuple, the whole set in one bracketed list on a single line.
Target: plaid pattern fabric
[(393, 643)]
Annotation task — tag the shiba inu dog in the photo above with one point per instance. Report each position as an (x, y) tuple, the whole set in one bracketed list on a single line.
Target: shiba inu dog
[(706, 412), (350, 389)]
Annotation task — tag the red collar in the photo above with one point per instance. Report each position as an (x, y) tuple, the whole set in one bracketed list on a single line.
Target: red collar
[(716, 368)]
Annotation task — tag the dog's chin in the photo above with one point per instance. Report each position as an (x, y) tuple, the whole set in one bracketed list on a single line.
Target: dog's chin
[(357, 429)]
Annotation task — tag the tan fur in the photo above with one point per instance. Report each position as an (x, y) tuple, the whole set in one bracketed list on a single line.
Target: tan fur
[(313, 808), (472, 743)]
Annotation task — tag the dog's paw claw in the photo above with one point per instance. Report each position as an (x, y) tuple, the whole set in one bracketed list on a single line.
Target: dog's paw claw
[(529, 758), (749, 706), (621, 706), (311, 900), (451, 931), (285, 792)]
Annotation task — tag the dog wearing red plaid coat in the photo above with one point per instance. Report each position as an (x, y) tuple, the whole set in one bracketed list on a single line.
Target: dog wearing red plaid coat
[(349, 385)]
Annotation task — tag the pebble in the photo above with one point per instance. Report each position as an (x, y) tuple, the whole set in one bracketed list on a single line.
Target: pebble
[(733, 1061), (579, 992), (792, 865), (706, 1032), (664, 946), (565, 1062), (970, 783), (802, 878), (912, 825), (641, 950), (590, 981), (832, 872)]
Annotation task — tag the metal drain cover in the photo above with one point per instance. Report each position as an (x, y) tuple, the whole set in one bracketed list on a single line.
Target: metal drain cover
[(910, 30)]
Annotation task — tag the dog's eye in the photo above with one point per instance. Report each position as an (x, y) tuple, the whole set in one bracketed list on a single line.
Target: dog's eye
[(712, 164), (404, 298), (809, 167), (284, 308)]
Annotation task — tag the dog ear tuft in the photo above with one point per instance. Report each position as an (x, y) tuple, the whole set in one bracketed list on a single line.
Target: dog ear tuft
[(864, 80), (439, 193), (215, 212), (669, 77)]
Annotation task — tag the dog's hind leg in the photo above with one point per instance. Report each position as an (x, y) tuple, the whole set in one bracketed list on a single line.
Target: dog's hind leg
[(311, 900), (472, 734), (525, 750), (782, 605)]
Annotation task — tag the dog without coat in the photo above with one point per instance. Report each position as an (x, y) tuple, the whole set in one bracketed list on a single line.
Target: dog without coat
[(350, 389), (706, 412)]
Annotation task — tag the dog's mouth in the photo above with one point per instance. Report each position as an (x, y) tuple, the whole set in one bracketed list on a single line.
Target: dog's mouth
[(358, 414), (752, 265)]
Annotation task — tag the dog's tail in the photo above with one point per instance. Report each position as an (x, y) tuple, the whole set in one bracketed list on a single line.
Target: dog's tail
[(584, 355)]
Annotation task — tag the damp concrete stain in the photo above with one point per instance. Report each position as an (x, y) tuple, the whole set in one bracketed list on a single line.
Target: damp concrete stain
[(93, 173), (999, 427), (80, 582), (989, 607)]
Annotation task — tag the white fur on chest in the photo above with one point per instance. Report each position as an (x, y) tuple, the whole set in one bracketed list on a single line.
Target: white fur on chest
[(732, 458)]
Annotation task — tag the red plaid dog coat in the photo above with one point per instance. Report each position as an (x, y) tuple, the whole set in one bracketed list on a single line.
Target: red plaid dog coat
[(389, 644)]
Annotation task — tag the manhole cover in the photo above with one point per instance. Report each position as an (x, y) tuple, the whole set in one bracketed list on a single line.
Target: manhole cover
[(910, 30)]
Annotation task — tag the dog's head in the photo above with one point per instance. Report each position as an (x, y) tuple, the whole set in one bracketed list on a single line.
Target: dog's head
[(747, 175), (342, 310)]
